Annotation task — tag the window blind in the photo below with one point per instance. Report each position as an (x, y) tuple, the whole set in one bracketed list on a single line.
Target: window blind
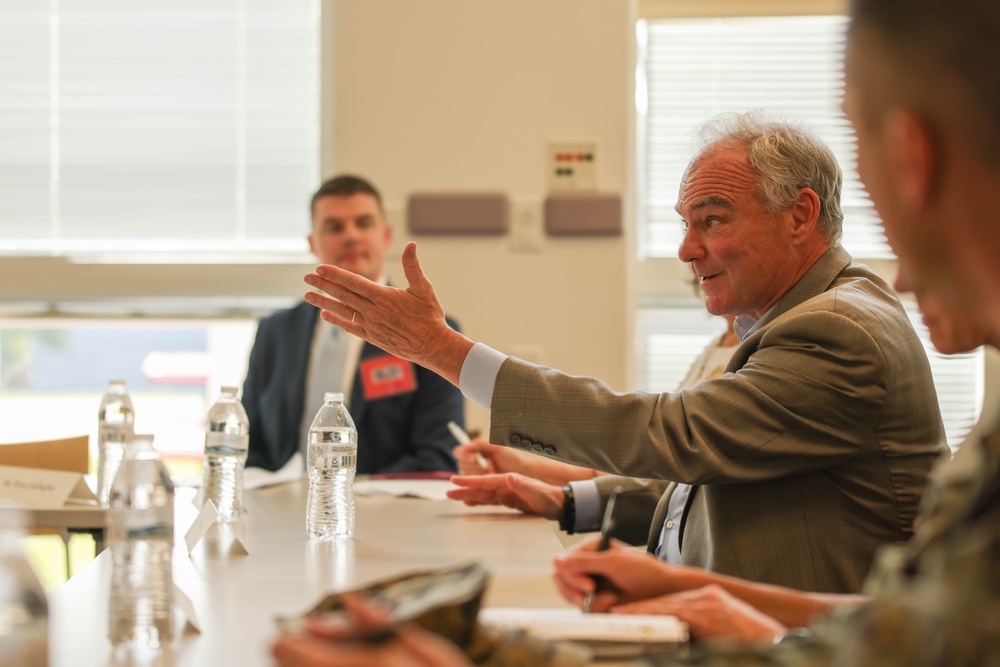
[(693, 69), (180, 125)]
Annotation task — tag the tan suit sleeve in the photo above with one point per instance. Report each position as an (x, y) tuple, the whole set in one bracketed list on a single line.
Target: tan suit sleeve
[(781, 412)]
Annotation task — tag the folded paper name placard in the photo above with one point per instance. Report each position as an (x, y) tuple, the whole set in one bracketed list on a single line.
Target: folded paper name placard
[(226, 541), (69, 454), (35, 487)]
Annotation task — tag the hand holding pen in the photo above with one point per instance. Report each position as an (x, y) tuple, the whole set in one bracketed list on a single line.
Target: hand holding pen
[(607, 528), (464, 438)]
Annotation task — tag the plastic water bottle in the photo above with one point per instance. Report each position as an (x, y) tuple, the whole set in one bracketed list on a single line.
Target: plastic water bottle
[(114, 430), (23, 610), (141, 538), (227, 437), (332, 460)]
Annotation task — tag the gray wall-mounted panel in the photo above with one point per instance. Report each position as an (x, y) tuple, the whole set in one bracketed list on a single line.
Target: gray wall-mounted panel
[(458, 213), (576, 213)]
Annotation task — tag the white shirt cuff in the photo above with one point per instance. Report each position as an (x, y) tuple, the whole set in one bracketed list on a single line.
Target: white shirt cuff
[(587, 498), (479, 374)]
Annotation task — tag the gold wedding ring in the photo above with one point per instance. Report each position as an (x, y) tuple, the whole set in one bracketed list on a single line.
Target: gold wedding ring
[(353, 316)]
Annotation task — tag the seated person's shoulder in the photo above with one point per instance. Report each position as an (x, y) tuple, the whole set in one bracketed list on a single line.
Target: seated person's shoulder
[(302, 312)]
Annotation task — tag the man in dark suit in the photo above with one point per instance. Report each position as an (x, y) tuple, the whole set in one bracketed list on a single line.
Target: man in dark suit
[(401, 410)]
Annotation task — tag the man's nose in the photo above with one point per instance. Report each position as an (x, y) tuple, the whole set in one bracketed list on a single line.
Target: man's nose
[(351, 231), (903, 282), (691, 247)]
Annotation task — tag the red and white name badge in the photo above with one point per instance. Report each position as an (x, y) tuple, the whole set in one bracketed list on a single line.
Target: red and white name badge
[(387, 376)]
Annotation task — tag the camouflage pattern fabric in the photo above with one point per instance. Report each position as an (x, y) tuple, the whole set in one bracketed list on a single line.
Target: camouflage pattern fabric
[(447, 602), (935, 601)]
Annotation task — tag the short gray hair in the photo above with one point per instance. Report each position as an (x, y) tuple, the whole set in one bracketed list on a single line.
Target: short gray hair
[(785, 158)]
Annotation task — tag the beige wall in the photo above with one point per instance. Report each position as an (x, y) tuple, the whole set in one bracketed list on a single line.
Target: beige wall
[(454, 95)]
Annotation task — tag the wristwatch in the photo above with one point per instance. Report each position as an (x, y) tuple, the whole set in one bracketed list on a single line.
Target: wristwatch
[(568, 519)]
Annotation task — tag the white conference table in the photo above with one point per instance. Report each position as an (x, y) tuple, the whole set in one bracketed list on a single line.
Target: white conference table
[(236, 597)]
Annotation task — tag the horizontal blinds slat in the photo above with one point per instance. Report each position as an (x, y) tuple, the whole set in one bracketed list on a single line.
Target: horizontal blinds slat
[(694, 69), (669, 340), (126, 125)]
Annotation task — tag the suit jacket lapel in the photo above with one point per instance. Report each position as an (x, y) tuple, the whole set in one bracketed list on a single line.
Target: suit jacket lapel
[(816, 280), (301, 336), (659, 516), (692, 492)]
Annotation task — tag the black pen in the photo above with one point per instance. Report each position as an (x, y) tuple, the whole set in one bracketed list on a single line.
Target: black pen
[(607, 527)]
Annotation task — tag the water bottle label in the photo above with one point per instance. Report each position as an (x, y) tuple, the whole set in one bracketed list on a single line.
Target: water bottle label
[(222, 442), (114, 433), (150, 521), (332, 460)]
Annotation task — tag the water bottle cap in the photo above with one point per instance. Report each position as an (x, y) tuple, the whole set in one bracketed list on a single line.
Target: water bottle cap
[(230, 391), (116, 383), (333, 396)]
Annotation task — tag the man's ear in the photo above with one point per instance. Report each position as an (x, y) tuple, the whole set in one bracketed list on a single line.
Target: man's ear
[(805, 213), (911, 157), (312, 244)]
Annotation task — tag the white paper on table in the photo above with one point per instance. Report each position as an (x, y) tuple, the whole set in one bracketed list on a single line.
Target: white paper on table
[(256, 478), (574, 625), (430, 489)]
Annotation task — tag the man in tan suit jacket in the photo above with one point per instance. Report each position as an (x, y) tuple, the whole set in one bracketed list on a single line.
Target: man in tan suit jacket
[(810, 452), (807, 455)]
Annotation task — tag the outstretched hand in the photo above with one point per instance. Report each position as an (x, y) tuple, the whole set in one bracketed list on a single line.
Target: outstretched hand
[(511, 490), (408, 323), (499, 459)]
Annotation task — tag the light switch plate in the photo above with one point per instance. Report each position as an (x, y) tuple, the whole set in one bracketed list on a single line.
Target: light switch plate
[(527, 233)]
